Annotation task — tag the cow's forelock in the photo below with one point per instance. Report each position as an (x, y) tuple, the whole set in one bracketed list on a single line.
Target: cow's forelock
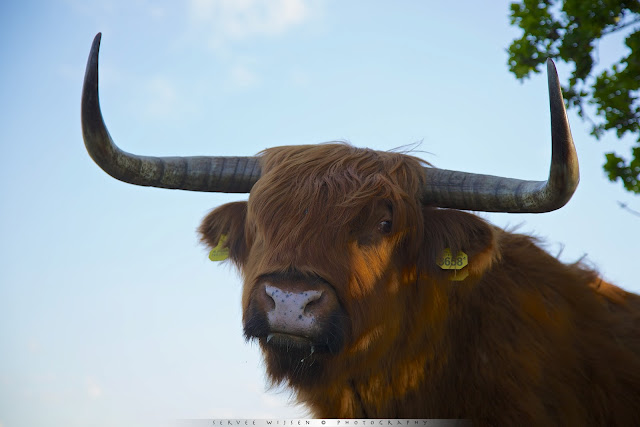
[(313, 202)]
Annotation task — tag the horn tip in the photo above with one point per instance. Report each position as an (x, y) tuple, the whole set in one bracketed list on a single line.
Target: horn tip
[(551, 67), (97, 39), (552, 78)]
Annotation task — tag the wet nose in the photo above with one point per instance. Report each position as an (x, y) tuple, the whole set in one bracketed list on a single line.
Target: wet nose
[(293, 312)]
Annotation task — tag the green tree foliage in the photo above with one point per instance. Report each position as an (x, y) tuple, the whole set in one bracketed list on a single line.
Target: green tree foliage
[(570, 31)]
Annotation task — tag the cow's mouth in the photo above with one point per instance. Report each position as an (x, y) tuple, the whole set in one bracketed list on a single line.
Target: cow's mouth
[(280, 341)]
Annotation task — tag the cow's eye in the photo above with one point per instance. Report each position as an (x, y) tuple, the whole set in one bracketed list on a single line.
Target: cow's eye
[(384, 227)]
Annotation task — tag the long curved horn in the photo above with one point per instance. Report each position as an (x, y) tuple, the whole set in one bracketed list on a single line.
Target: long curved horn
[(461, 190), (214, 174)]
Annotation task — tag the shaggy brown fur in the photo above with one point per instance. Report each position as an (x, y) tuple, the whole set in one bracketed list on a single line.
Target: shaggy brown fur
[(524, 339)]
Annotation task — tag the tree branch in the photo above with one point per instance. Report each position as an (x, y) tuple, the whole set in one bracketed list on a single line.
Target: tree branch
[(620, 27), (628, 209)]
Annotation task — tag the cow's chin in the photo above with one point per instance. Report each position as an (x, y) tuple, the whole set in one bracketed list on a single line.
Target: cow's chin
[(296, 360)]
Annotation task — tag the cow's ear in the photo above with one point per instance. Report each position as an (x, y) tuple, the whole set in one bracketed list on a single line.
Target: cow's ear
[(457, 231), (227, 224)]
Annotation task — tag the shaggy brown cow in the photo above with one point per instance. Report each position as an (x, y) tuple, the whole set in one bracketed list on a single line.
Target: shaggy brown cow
[(341, 251)]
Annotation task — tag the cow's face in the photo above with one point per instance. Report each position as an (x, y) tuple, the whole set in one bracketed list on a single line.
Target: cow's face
[(330, 245), (323, 240)]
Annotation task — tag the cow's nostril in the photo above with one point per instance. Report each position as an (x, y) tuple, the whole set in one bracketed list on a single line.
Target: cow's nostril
[(270, 300), (312, 302)]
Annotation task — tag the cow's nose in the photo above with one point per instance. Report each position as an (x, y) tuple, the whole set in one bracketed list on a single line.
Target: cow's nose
[(293, 312)]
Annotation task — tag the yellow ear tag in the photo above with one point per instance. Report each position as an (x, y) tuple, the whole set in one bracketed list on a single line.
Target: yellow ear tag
[(457, 263), (219, 253), (448, 262)]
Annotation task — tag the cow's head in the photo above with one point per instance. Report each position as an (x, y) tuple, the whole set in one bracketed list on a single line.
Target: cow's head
[(333, 238), (323, 239)]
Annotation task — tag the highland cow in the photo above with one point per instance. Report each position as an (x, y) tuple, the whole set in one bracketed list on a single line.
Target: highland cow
[(373, 294)]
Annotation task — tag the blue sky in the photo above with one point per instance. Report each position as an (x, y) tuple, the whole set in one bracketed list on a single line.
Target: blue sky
[(110, 312)]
